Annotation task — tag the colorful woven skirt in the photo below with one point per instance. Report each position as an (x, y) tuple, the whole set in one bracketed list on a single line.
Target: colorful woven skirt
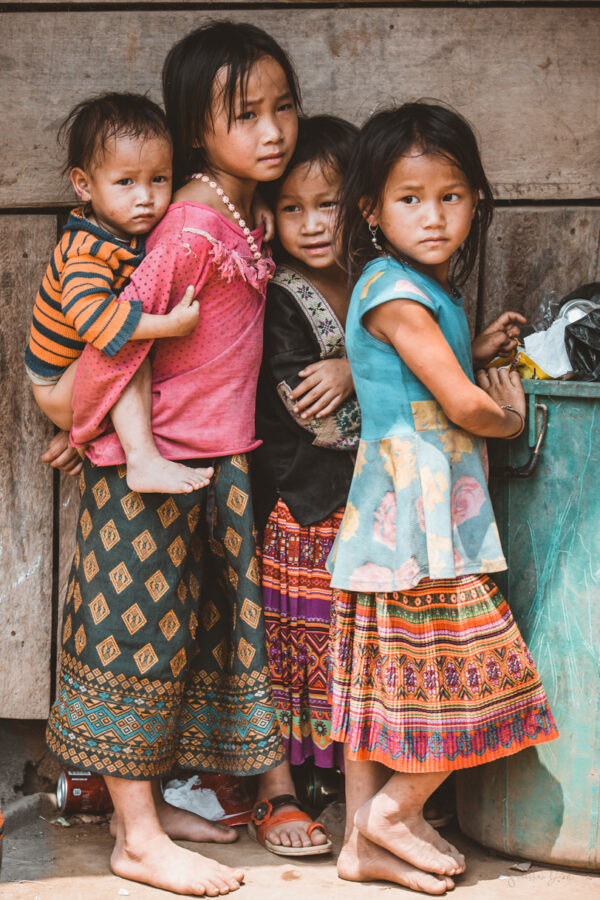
[(164, 656), (297, 602), (434, 678)]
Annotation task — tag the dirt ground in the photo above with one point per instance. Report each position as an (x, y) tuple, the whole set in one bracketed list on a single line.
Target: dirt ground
[(45, 861)]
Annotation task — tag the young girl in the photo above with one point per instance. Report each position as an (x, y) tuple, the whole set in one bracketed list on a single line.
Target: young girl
[(429, 671), (163, 640), (307, 416)]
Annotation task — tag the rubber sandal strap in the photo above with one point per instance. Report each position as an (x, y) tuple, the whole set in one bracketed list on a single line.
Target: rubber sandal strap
[(265, 817)]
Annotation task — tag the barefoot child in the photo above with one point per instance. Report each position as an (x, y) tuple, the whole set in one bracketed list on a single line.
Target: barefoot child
[(163, 656), (120, 165), (429, 670), (308, 419)]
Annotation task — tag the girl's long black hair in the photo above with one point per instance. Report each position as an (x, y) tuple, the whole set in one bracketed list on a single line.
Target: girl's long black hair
[(383, 139), (189, 75)]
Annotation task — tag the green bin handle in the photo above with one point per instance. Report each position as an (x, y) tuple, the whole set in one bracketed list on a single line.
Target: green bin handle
[(529, 468)]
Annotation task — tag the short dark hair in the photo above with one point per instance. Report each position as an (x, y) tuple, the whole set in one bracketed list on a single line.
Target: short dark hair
[(93, 122), (326, 141), (383, 139), (189, 75)]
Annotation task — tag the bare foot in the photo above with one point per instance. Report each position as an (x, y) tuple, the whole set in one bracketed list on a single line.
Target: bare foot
[(157, 475), (162, 864), (409, 837), (289, 834), (361, 860), (182, 825)]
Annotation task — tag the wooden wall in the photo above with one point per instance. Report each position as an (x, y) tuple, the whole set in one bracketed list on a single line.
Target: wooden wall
[(524, 74)]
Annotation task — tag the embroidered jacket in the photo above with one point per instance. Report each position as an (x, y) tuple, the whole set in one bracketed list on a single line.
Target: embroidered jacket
[(300, 460)]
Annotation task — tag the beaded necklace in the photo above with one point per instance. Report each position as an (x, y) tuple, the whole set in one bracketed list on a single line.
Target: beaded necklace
[(199, 176)]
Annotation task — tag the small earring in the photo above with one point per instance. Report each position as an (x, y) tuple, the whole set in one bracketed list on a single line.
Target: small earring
[(373, 232)]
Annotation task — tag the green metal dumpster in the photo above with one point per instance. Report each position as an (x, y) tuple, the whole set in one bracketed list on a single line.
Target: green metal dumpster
[(543, 803)]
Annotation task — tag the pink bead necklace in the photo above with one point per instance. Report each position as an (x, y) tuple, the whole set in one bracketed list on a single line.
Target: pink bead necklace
[(199, 176)]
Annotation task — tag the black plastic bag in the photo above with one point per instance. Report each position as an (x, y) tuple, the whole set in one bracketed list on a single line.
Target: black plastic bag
[(582, 340)]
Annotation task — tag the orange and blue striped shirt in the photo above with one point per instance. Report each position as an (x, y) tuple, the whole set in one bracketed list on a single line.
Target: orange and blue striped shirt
[(77, 301)]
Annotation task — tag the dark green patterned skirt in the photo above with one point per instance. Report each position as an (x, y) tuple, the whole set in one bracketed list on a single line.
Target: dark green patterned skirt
[(163, 658)]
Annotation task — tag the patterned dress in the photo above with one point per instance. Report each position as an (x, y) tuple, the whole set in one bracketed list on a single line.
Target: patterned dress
[(303, 472), (429, 671)]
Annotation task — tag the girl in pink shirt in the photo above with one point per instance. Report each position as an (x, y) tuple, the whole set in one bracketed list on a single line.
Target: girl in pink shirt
[(163, 641)]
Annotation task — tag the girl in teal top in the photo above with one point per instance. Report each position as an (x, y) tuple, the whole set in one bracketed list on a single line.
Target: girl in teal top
[(429, 672)]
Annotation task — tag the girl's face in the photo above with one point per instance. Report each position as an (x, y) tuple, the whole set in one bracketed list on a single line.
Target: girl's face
[(426, 211), (262, 136), (305, 214)]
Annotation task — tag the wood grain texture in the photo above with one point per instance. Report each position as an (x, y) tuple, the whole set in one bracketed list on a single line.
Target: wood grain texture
[(26, 243), (531, 252), (526, 77), (68, 511), (75, 4)]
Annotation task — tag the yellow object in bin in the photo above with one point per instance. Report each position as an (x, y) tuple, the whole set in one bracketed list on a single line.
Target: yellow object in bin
[(518, 360)]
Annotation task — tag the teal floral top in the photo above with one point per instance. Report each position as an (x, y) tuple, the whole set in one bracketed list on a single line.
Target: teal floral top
[(418, 505)]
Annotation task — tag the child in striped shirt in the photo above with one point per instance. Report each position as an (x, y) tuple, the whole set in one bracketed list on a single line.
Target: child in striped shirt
[(120, 166)]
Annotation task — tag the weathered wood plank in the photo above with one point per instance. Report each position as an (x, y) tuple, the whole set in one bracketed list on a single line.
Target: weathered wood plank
[(75, 4), (526, 77), (533, 251), (26, 243), (68, 510)]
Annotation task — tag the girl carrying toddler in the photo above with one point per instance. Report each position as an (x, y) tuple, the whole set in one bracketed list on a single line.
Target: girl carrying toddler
[(429, 670), (308, 419), (163, 656)]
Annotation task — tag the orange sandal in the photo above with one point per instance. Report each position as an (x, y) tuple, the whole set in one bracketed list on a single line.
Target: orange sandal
[(264, 818)]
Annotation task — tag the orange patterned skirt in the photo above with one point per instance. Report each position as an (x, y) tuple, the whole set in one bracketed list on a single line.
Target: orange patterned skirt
[(434, 678)]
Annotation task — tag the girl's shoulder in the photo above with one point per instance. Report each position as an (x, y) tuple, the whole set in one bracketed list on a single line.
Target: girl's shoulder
[(385, 278), (201, 230)]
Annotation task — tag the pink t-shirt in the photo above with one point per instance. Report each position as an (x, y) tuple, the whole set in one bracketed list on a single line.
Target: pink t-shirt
[(203, 385)]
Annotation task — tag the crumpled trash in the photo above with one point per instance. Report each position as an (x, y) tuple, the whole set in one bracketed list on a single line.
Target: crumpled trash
[(201, 801), (546, 349)]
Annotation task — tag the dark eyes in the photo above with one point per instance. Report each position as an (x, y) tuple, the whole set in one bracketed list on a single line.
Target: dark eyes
[(411, 199), (160, 179), (124, 181)]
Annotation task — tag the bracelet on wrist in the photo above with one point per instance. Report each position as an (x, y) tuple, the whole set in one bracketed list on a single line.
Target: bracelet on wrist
[(522, 426)]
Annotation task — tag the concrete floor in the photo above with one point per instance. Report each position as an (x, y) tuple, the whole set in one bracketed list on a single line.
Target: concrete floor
[(45, 861)]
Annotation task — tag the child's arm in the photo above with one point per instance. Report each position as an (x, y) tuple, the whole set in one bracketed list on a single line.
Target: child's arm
[(289, 353), (106, 321), (180, 321), (324, 387), (414, 333), (498, 339)]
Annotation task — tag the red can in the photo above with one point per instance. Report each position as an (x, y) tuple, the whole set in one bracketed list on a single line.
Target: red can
[(82, 792)]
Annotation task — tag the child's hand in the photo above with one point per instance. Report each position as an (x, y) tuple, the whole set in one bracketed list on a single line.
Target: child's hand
[(498, 339), (324, 386), (263, 215), (183, 318), (60, 454), (504, 387)]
